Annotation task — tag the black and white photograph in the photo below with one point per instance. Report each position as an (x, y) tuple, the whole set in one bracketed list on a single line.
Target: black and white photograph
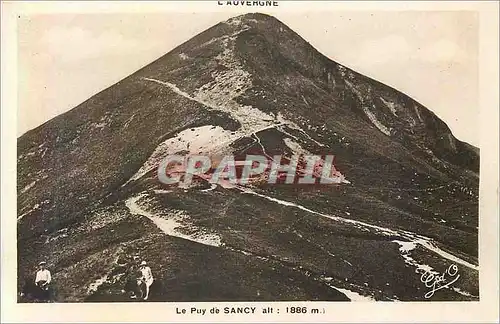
[(250, 154)]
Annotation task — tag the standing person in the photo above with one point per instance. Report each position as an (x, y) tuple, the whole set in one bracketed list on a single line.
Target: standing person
[(132, 274), (43, 279), (147, 277)]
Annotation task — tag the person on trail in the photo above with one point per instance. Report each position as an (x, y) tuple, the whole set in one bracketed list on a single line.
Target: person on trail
[(43, 279), (147, 277), (132, 274)]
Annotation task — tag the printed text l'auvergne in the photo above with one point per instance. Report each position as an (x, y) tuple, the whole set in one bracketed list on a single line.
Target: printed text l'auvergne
[(249, 3)]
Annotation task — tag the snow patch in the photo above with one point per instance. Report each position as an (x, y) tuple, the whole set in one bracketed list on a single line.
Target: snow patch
[(417, 111), (296, 147), (99, 125), (256, 21), (353, 88), (171, 223), (32, 184), (235, 21), (103, 122), (161, 191), (37, 206), (354, 296), (61, 234), (29, 186), (207, 140), (212, 187), (127, 123), (390, 105), (370, 114), (343, 70), (40, 150), (183, 56), (376, 122), (464, 293), (405, 249)]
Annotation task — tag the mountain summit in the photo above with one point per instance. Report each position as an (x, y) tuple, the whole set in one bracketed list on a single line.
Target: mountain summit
[(89, 198)]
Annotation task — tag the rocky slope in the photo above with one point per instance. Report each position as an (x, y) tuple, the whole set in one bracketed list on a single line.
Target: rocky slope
[(89, 197)]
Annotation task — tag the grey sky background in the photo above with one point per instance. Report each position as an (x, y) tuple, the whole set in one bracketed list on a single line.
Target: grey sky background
[(63, 59)]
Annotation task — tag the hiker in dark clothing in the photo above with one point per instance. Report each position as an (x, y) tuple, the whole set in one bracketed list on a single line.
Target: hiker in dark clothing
[(133, 274)]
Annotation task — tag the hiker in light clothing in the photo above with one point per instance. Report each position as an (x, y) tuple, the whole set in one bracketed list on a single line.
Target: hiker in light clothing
[(147, 277), (43, 279)]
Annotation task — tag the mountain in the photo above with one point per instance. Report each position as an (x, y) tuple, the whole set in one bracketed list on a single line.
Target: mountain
[(89, 197)]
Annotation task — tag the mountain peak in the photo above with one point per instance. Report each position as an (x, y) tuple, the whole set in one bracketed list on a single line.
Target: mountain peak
[(254, 16), (258, 20)]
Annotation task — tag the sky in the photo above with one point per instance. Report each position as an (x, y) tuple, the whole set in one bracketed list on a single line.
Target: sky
[(64, 59)]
